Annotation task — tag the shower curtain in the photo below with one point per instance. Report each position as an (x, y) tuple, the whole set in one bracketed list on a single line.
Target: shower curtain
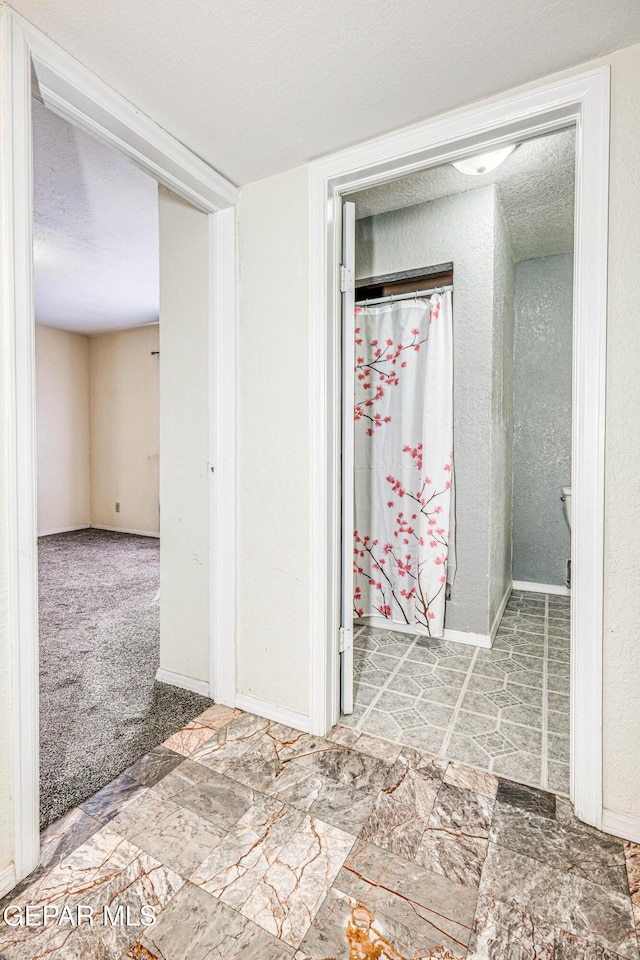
[(404, 504)]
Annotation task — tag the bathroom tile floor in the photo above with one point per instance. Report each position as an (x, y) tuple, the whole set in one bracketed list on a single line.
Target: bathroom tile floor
[(505, 710), (252, 840)]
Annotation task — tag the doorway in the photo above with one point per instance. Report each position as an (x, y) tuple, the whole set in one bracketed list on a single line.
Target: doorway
[(38, 66), (96, 272), (460, 443), (581, 101)]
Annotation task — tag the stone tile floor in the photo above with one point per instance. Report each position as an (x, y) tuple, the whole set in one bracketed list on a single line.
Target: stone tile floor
[(505, 710), (253, 841)]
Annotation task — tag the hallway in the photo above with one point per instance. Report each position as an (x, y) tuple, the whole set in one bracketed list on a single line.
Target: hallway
[(250, 839)]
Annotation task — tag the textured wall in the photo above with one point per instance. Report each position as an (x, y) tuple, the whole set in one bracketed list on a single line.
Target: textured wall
[(501, 417), (457, 229), (125, 427), (184, 437), (542, 418), (62, 413), (273, 466)]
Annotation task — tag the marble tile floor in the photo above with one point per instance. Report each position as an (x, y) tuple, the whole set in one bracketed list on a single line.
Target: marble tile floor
[(253, 841), (505, 710)]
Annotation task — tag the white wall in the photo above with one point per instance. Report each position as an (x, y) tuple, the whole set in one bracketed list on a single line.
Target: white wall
[(62, 409), (461, 229), (622, 483), (184, 438), (125, 429), (273, 465), (7, 496)]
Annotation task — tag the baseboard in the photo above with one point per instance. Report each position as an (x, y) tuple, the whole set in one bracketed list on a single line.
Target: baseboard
[(52, 533), (541, 588), (621, 825), (137, 533), (290, 718), (499, 613), (465, 636), (7, 877), (187, 683), (456, 636)]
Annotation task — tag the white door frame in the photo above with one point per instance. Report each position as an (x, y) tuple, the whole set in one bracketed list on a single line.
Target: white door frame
[(582, 100), (73, 92)]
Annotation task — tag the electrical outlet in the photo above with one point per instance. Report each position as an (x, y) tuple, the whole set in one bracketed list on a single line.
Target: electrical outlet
[(117, 506)]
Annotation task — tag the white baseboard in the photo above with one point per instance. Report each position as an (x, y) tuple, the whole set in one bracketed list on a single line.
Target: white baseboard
[(187, 683), (137, 533), (7, 878), (456, 636), (499, 613), (541, 588), (472, 639), (290, 718), (621, 825), (51, 533)]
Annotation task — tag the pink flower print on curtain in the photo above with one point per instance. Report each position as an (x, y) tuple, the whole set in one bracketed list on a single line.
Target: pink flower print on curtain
[(404, 510)]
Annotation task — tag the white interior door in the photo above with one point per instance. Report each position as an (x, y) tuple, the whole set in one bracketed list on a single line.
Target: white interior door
[(347, 286)]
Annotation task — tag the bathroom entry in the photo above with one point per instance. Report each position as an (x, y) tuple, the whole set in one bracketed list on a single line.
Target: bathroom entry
[(457, 294)]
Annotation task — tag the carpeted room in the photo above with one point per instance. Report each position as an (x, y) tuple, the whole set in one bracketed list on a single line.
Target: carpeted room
[(98, 458), (101, 708)]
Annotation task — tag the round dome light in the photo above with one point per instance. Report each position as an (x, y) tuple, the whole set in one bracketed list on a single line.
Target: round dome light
[(484, 162)]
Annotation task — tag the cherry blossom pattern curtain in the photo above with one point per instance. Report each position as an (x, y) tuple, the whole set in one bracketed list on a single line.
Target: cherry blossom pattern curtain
[(404, 504)]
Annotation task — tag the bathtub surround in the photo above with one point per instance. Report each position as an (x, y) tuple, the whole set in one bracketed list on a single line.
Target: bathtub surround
[(542, 418), (467, 230), (256, 840), (100, 707)]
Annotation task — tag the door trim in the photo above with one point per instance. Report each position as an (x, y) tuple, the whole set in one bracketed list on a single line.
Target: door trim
[(72, 91), (582, 100)]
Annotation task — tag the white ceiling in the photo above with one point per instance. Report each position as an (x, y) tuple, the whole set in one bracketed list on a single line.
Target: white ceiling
[(95, 232), (536, 187), (257, 87)]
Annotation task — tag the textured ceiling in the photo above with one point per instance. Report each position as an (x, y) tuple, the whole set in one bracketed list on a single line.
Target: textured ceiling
[(258, 87), (535, 184), (95, 232)]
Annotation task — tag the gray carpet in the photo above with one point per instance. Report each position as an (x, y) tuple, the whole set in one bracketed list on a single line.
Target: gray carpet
[(101, 708)]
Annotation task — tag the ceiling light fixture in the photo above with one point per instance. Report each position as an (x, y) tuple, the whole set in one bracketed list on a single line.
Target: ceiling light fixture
[(484, 162)]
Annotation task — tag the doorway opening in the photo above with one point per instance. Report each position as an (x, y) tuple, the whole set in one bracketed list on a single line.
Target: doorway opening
[(97, 314), (200, 218), (581, 102), (461, 449)]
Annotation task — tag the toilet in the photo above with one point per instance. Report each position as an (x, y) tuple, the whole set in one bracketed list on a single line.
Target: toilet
[(566, 502)]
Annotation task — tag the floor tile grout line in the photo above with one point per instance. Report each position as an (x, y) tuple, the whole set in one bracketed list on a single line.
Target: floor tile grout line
[(543, 640), (385, 685), (456, 710), (545, 685)]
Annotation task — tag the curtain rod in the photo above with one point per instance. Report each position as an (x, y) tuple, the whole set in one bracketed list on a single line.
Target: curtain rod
[(404, 296)]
